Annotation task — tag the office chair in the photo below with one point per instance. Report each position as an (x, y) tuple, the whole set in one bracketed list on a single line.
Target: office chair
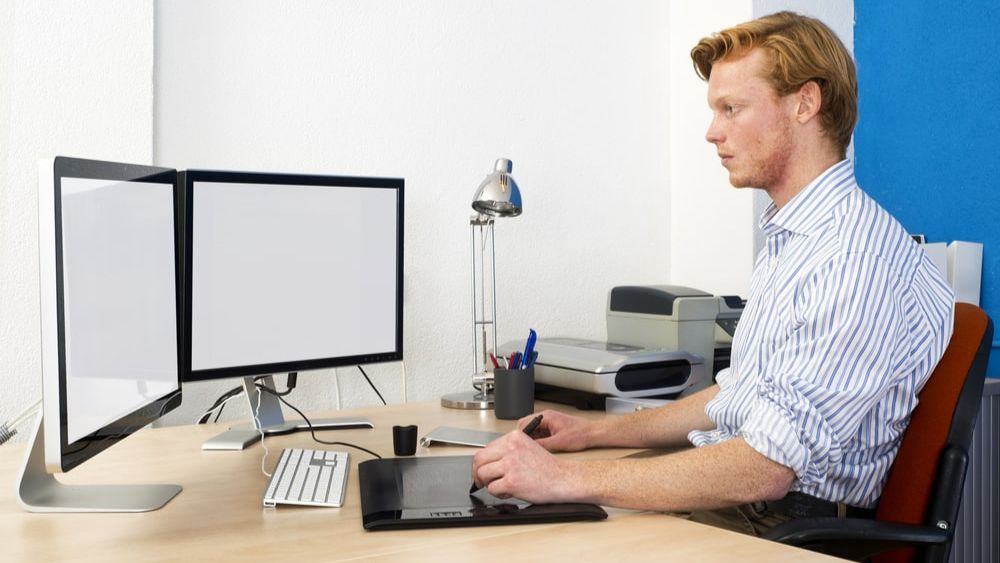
[(919, 504)]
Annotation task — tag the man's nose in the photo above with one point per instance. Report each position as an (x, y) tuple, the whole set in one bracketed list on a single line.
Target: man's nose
[(714, 133)]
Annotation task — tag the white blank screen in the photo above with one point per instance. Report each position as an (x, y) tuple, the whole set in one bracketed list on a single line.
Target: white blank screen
[(285, 273), (120, 305)]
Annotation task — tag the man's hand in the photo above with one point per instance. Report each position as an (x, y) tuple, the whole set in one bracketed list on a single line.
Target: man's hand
[(560, 432), (514, 465)]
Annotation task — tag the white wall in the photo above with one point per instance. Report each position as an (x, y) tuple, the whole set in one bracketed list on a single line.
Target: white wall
[(75, 79), (574, 93), (710, 221)]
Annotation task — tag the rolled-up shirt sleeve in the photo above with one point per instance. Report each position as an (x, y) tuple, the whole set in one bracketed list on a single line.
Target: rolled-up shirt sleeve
[(830, 367)]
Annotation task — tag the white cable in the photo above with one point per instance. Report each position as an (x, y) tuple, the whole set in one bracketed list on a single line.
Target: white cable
[(9, 429), (25, 414), (256, 423), (219, 406)]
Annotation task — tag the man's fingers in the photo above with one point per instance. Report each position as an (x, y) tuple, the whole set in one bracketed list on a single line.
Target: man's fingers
[(488, 473), (490, 454), (547, 442), (498, 488)]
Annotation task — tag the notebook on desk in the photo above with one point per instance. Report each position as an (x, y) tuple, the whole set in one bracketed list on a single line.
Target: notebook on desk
[(433, 492)]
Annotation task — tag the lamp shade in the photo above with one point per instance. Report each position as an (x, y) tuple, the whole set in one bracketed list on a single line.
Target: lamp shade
[(498, 195)]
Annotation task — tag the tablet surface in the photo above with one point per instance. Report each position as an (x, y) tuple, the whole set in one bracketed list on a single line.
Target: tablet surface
[(432, 492)]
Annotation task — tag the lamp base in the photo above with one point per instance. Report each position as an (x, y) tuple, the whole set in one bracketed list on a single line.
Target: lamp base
[(469, 400)]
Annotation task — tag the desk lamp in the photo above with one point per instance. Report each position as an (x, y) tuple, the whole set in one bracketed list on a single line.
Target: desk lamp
[(497, 196)]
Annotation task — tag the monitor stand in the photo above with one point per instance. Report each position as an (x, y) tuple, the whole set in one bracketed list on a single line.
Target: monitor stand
[(39, 491), (272, 422)]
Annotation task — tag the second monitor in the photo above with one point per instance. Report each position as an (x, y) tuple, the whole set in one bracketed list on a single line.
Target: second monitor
[(287, 273)]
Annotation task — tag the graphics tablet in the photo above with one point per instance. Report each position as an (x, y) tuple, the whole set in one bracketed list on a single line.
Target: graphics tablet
[(433, 492)]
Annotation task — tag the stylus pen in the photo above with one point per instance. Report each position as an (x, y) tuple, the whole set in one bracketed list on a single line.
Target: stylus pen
[(531, 427)]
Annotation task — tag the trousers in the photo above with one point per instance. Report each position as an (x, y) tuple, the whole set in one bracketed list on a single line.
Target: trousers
[(758, 517)]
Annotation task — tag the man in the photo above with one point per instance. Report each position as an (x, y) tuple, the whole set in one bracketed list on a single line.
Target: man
[(845, 321)]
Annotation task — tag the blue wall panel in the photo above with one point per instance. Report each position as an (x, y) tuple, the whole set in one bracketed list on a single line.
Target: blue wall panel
[(927, 145)]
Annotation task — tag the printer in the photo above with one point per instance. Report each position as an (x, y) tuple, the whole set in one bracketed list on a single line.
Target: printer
[(662, 343)]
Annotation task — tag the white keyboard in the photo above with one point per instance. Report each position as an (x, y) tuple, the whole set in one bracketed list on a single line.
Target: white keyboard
[(309, 477)]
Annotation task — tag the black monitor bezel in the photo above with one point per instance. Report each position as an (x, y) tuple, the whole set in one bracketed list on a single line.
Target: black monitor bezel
[(74, 453), (187, 179)]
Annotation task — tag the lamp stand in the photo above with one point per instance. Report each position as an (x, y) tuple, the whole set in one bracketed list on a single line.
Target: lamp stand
[(484, 313)]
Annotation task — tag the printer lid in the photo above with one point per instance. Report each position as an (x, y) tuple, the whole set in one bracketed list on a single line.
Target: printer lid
[(649, 299)]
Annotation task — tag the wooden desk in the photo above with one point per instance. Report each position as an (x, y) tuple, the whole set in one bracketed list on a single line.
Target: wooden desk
[(219, 517)]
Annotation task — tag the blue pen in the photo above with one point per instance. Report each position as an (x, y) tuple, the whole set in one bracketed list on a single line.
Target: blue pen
[(529, 349), (516, 364)]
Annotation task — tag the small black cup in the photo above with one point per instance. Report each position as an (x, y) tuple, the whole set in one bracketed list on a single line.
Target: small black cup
[(513, 393), (404, 439)]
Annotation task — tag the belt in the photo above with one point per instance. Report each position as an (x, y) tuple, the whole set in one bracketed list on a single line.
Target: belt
[(801, 505)]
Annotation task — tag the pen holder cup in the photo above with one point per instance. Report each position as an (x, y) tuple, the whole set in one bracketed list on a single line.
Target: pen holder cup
[(513, 393)]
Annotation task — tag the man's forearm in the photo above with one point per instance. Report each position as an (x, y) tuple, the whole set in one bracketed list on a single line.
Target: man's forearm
[(663, 427), (725, 474)]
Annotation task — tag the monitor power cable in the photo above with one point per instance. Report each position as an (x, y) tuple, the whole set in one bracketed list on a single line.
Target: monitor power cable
[(372, 385), (290, 383), (219, 406), (9, 428), (220, 403), (259, 427)]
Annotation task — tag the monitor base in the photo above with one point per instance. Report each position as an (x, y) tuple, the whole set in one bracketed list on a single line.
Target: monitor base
[(39, 491), (269, 419), (240, 437)]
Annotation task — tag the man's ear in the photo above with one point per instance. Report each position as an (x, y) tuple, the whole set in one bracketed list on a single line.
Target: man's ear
[(810, 99)]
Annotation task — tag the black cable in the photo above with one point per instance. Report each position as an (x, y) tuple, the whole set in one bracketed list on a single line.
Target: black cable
[(289, 385), (225, 401), (222, 399), (218, 413), (312, 430), (236, 391), (372, 384)]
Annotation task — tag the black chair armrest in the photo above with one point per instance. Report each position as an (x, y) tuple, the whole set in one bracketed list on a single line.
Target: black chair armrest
[(854, 538)]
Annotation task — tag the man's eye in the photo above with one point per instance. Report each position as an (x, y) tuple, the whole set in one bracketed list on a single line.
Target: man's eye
[(730, 109)]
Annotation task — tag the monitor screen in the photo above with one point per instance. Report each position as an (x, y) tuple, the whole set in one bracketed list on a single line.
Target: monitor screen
[(110, 303), (290, 272)]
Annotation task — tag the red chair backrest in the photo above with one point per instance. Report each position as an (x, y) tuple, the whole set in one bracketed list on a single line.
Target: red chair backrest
[(909, 486)]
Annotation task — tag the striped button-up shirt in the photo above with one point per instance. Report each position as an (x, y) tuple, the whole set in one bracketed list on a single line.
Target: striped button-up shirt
[(846, 319)]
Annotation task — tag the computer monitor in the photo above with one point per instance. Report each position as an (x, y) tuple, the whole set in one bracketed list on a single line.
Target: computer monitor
[(288, 273), (110, 317)]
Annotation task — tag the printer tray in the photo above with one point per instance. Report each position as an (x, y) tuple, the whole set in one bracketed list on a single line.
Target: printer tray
[(433, 492), (582, 400)]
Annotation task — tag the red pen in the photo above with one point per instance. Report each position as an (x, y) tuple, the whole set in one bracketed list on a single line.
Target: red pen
[(510, 360), (493, 359)]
